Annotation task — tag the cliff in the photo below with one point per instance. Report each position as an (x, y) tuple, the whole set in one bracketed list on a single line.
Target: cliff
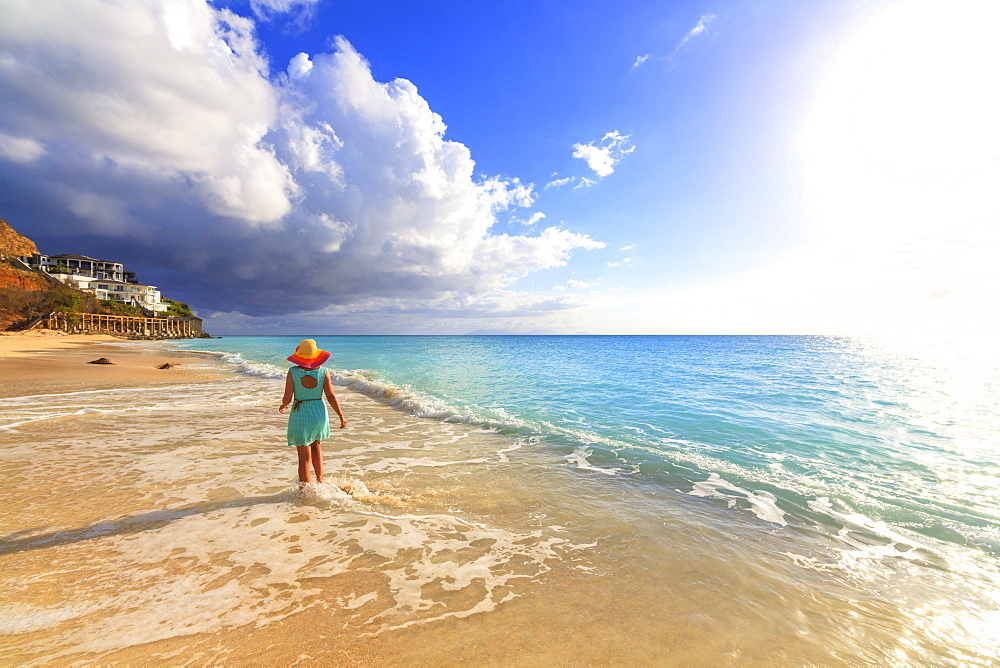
[(20, 289), (13, 277), (16, 245), (12, 243)]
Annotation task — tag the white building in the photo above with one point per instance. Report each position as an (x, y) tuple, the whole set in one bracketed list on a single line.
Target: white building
[(106, 280), (76, 264), (132, 294)]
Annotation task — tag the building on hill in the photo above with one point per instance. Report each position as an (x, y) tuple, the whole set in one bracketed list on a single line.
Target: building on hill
[(102, 278), (78, 265), (23, 269), (133, 294)]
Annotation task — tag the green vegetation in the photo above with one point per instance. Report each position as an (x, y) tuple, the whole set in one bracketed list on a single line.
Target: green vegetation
[(18, 307), (178, 309), (111, 307)]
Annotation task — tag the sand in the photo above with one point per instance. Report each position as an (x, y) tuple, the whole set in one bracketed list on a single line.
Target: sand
[(50, 361)]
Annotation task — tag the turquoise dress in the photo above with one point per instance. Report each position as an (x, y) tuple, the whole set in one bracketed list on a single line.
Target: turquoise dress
[(310, 421)]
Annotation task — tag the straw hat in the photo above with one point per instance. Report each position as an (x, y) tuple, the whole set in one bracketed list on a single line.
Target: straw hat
[(308, 355)]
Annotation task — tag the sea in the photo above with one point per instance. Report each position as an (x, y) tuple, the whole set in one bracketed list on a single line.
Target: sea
[(528, 500)]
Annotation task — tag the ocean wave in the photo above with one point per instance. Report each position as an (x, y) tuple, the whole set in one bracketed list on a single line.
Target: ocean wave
[(404, 398), (208, 353), (763, 504), (249, 368), (646, 449), (424, 405)]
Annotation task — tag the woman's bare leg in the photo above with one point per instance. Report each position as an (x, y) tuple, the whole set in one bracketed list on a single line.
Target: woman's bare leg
[(316, 451), (303, 453)]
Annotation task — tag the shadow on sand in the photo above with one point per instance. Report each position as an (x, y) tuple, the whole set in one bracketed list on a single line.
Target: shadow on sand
[(28, 539)]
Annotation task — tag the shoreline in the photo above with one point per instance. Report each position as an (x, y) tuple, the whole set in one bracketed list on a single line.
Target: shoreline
[(184, 537), (49, 360), (248, 558)]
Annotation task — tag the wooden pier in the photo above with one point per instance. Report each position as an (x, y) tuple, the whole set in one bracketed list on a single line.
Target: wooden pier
[(128, 326)]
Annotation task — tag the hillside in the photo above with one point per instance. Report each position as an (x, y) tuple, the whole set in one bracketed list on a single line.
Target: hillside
[(14, 244), (26, 295)]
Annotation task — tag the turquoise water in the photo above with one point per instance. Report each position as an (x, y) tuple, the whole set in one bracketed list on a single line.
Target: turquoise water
[(890, 458), (811, 420)]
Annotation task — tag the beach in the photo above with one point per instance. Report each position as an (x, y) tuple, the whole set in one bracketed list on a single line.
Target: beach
[(50, 360), (665, 334), (152, 515)]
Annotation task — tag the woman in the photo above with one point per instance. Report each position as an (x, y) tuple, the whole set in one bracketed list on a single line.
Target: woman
[(309, 422)]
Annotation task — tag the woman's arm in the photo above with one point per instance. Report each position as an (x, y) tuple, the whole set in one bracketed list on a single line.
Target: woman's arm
[(332, 398), (287, 399)]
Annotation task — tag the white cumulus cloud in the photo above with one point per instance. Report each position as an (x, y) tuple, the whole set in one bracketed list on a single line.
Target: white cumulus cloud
[(243, 190), (171, 88), (299, 66), (604, 155)]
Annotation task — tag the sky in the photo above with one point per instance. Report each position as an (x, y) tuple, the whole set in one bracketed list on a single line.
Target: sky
[(452, 167)]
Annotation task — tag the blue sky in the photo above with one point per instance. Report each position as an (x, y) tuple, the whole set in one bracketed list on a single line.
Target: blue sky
[(642, 167)]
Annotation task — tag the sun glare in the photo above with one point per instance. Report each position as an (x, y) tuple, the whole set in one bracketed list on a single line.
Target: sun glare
[(901, 154)]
